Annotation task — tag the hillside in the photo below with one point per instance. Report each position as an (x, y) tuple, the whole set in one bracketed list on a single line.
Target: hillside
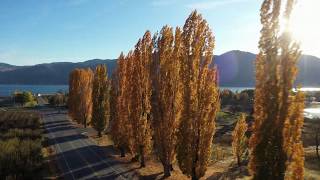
[(236, 68), (49, 73)]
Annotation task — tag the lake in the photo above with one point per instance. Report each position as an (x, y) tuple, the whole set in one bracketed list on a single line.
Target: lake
[(239, 89), (8, 89)]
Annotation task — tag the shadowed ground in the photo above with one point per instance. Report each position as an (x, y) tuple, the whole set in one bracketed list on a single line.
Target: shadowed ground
[(77, 156)]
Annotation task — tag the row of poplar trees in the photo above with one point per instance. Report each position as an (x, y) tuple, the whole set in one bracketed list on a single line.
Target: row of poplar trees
[(164, 97), (89, 96)]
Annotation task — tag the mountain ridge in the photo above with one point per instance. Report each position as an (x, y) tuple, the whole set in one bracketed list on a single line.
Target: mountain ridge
[(236, 68)]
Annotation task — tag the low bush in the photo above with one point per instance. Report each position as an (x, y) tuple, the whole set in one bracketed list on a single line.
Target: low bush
[(20, 145), (18, 119), (21, 134)]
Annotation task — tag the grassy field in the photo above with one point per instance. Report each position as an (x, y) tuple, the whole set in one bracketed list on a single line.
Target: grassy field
[(22, 155), (223, 164)]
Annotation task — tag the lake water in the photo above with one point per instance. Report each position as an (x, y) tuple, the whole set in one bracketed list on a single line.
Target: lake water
[(312, 110), (239, 89), (8, 89)]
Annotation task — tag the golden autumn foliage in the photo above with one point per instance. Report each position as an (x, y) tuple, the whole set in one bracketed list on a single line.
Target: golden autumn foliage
[(275, 145), (80, 90), (292, 142), (74, 90), (85, 98), (166, 91), (239, 139), (140, 112), (121, 129), (166, 95), (100, 99), (200, 97)]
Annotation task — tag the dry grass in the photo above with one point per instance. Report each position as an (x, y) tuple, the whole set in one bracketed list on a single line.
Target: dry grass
[(154, 170), (104, 140), (312, 164), (222, 166), (50, 170)]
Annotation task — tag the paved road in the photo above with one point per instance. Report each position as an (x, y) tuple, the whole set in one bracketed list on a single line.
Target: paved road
[(78, 157)]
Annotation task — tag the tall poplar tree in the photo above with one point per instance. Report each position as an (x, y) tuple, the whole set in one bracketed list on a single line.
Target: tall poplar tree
[(85, 96), (239, 139), (200, 97), (100, 99), (71, 94), (140, 95), (275, 145), (80, 95), (166, 95), (113, 100), (74, 91), (121, 128)]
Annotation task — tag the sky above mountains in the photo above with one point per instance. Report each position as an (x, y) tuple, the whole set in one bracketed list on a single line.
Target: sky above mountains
[(39, 31)]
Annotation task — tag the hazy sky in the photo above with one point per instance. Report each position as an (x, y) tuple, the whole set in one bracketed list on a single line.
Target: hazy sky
[(39, 31)]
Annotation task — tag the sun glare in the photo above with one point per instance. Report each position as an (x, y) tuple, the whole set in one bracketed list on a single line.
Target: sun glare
[(305, 25)]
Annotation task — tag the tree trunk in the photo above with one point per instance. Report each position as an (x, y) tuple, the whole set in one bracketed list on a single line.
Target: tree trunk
[(85, 122), (238, 161), (166, 169), (99, 133), (122, 152), (317, 145), (135, 158), (171, 167), (193, 174), (142, 161)]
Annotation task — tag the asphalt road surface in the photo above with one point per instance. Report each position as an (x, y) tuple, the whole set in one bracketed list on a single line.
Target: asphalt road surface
[(78, 157)]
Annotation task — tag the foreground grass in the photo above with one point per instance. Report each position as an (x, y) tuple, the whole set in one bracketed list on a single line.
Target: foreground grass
[(50, 168), (21, 145), (223, 164)]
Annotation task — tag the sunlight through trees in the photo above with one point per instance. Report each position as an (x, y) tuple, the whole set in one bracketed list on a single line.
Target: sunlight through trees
[(276, 148)]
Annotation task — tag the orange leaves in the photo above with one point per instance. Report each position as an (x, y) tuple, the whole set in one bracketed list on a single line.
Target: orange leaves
[(166, 95), (200, 97), (163, 87), (140, 95), (239, 139), (80, 90), (121, 129), (278, 112)]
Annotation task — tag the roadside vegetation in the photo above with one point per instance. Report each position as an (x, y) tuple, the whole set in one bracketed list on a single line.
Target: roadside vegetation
[(165, 107), (20, 145), (57, 100), (25, 99)]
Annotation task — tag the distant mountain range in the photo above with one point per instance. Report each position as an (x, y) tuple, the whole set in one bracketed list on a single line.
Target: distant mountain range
[(236, 69)]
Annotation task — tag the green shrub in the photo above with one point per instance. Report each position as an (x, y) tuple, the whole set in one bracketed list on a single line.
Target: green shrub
[(30, 104)]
